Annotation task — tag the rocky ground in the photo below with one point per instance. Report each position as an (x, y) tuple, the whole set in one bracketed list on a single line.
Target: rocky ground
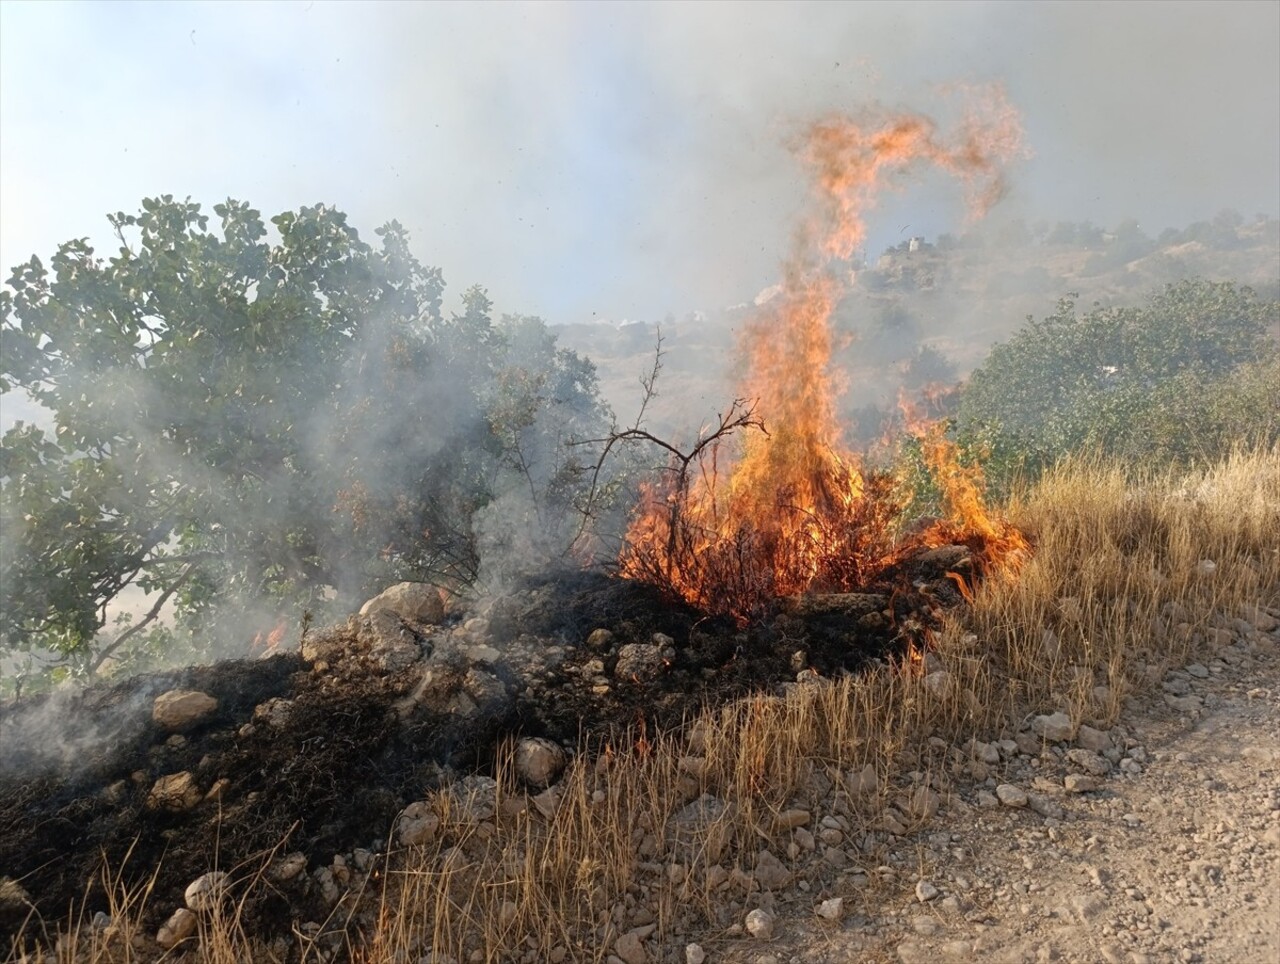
[(1157, 841)]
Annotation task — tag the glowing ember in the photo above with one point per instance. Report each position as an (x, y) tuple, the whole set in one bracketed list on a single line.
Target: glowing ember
[(795, 511)]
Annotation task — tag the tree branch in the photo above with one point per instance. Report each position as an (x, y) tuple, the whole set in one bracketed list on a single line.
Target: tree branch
[(149, 618)]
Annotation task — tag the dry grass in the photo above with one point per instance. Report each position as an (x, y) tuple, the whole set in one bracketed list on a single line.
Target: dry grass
[(1128, 577)]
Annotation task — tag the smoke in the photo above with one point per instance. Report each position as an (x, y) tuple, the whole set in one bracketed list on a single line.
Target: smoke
[(619, 160), (625, 161)]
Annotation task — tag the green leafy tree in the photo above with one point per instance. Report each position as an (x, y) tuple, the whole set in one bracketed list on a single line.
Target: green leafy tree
[(238, 419), (1182, 377)]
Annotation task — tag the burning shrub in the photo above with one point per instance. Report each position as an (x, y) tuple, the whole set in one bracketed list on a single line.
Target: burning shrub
[(794, 511)]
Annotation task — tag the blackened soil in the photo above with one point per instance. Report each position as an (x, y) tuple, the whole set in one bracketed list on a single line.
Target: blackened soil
[(332, 775)]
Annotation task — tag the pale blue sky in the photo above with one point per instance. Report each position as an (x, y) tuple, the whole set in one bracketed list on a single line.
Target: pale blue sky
[(612, 160)]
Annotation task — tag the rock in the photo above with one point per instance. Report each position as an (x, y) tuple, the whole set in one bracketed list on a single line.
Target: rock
[(759, 924), (1184, 704), (207, 891), (1011, 796), (484, 654), (548, 801), (326, 645), (987, 800), (630, 948), (790, 819), (1089, 761), (539, 761), (694, 954), (273, 712), (218, 790), (412, 601), (924, 803), (862, 784), (1079, 783), (831, 909), (485, 689), (1206, 567), (392, 646), (926, 891), (175, 792), (1055, 727), (1045, 806), (641, 662), (770, 873), (599, 640), (1090, 739), (988, 753), (892, 822), (1259, 618), (180, 709), (938, 683), (417, 824), (180, 925), (288, 867)]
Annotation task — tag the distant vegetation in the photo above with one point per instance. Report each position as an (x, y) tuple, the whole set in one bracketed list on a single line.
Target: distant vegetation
[(1184, 377)]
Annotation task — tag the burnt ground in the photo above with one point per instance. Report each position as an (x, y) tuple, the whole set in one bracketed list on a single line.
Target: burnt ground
[(358, 742)]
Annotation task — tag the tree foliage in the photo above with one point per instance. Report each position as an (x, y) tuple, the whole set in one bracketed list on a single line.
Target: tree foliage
[(238, 417), (1184, 376)]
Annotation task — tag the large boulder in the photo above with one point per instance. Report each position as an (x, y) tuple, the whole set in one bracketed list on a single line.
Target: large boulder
[(414, 602), (390, 643), (180, 709)]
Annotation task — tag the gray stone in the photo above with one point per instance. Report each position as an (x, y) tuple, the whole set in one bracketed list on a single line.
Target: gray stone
[(1055, 727), (207, 891), (926, 891), (412, 601), (863, 783), (694, 954), (180, 709), (1080, 783), (988, 753), (274, 712), (1011, 796), (831, 909), (790, 819), (180, 925), (770, 873), (759, 924), (288, 867), (630, 948), (539, 762), (642, 662), (417, 824), (1090, 739), (392, 646), (1089, 761), (938, 682), (175, 792)]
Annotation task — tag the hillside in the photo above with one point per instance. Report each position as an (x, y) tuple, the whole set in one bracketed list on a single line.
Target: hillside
[(926, 312)]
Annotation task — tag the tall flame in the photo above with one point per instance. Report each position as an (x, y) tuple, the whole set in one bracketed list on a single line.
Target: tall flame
[(796, 511)]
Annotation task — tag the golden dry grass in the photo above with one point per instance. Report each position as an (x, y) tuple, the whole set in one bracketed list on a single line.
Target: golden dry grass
[(1128, 576)]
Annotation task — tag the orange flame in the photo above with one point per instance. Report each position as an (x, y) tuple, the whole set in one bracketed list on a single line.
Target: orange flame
[(796, 511)]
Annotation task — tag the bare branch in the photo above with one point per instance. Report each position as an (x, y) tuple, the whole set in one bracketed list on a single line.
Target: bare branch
[(149, 618)]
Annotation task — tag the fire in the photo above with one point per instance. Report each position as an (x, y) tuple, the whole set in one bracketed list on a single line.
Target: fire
[(795, 511)]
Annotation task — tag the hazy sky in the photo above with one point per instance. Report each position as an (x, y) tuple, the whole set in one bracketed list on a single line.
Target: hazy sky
[(613, 160)]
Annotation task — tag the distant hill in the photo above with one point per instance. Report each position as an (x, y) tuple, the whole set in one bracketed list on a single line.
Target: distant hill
[(929, 310)]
